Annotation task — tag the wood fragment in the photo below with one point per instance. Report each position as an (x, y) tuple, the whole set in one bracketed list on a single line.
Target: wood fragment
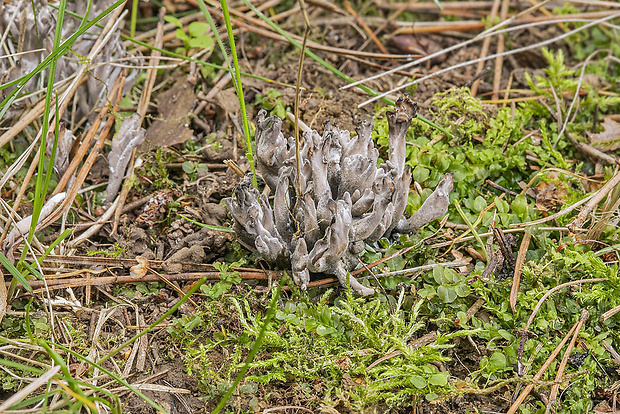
[(610, 313)]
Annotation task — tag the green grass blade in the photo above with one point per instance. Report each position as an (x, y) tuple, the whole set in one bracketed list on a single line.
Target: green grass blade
[(208, 226), (40, 190), (56, 53), (113, 376), (255, 347), (17, 275)]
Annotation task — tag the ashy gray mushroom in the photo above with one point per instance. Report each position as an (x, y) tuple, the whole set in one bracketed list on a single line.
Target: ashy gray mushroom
[(320, 221)]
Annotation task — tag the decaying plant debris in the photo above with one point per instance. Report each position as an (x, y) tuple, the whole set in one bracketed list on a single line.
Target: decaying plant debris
[(321, 219)]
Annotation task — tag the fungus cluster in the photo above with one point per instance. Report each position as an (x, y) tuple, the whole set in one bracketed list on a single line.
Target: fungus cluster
[(321, 219)]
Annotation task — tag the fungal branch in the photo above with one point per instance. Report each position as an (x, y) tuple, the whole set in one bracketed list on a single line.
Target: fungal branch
[(341, 199)]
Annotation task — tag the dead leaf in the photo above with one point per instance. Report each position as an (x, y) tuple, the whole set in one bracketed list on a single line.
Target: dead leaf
[(141, 268), (172, 124), (609, 139), (550, 194)]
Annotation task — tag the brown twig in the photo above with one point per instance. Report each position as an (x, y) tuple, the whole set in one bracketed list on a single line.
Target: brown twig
[(516, 280), (150, 277)]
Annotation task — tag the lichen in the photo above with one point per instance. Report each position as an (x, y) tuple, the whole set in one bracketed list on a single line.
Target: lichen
[(321, 219)]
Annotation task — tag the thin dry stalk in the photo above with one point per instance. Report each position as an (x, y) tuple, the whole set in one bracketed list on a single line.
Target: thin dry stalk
[(594, 200), (499, 62), (516, 280), (25, 120), (151, 277), (21, 394), (489, 32), (259, 27), (90, 160), (300, 66), (474, 61), (515, 406), (556, 215), (560, 373), (610, 313), (555, 289), (86, 141), (614, 354), (363, 25), (486, 43), (143, 105)]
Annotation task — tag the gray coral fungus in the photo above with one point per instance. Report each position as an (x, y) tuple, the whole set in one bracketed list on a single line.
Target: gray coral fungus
[(320, 221)]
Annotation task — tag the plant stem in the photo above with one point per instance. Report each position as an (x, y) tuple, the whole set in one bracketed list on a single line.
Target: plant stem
[(239, 88)]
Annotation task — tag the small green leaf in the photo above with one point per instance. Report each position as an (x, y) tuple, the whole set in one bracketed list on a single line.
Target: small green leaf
[(439, 379), (417, 381), (180, 34), (497, 361), (462, 290), (198, 29), (446, 293), (188, 167), (438, 274), (173, 20), (420, 174), (431, 396), (479, 204), (519, 206), (324, 330), (202, 42)]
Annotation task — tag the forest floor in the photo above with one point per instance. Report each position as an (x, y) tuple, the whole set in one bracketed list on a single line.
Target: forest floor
[(508, 303)]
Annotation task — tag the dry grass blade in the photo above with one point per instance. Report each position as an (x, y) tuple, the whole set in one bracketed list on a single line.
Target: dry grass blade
[(555, 289), (3, 297), (525, 244), (115, 95), (363, 25), (485, 49), (474, 61), (177, 277), (515, 406), (151, 75), (499, 61), (21, 394), (489, 32), (593, 201), (558, 376), (610, 313)]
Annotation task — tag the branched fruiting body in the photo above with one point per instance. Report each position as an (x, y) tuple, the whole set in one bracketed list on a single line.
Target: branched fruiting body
[(346, 200)]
